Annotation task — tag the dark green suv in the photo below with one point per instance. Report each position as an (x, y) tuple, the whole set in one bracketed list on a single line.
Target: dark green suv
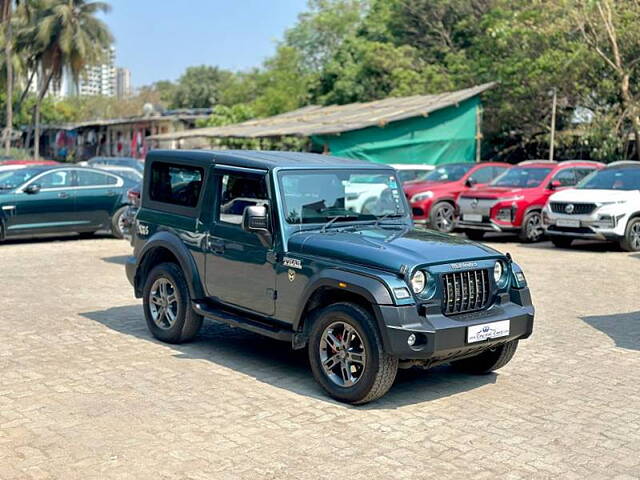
[(319, 252)]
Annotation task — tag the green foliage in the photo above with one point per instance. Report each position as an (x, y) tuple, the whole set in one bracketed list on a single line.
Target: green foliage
[(223, 115), (199, 87)]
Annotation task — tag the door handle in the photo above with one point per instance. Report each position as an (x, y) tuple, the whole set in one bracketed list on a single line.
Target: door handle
[(216, 245), (63, 195)]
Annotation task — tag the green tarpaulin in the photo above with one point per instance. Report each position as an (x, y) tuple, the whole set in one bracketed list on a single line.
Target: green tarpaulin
[(445, 136)]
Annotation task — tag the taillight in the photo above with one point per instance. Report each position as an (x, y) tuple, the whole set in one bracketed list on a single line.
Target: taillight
[(133, 196)]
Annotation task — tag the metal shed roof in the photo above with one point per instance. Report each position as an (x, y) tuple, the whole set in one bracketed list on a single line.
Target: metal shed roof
[(318, 120)]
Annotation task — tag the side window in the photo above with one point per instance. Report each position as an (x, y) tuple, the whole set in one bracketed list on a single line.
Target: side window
[(58, 179), (566, 177), (582, 172), (238, 192), (175, 184), (497, 171), (483, 175), (94, 179)]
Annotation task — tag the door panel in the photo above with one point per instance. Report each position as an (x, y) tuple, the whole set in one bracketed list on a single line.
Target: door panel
[(240, 270), (97, 195)]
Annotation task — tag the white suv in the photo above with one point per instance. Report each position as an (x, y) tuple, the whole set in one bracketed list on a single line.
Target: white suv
[(604, 206)]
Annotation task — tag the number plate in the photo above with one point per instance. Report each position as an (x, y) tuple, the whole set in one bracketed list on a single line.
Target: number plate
[(472, 217), (568, 222), (478, 333)]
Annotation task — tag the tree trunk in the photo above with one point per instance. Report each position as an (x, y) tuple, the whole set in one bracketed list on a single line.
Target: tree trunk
[(630, 107), (36, 136), (7, 52)]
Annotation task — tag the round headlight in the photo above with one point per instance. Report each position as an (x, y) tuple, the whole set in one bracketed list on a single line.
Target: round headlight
[(418, 282), (498, 270)]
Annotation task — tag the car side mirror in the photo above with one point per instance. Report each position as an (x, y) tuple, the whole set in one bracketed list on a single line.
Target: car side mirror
[(471, 182), (555, 184), (255, 219), (32, 189)]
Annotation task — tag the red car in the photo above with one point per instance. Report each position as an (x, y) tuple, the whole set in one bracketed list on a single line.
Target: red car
[(28, 162), (513, 202), (433, 198)]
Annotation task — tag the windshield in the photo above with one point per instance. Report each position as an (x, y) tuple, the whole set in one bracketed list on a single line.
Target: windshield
[(320, 196), (14, 178), (522, 177), (448, 173), (613, 179), (407, 175)]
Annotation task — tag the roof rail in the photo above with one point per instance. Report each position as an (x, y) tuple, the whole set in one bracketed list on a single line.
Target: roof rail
[(529, 162), (591, 162), (620, 163)]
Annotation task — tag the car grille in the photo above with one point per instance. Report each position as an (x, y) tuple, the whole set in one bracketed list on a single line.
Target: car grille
[(465, 291), (578, 208)]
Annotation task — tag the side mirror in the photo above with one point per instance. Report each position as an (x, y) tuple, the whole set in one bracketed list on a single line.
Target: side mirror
[(255, 219), (555, 184), (471, 182), (32, 189)]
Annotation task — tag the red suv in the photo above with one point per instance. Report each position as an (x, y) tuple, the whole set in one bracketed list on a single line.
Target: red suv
[(513, 202), (433, 198)]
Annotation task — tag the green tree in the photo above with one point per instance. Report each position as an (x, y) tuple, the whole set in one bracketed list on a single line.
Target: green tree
[(199, 87), (65, 34)]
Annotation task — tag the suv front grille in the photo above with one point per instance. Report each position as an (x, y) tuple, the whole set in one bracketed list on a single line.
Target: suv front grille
[(465, 291), (577, 209)]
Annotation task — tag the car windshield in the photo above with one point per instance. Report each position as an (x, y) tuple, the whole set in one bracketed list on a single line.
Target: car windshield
[(407, 175), (448, 173), (14, 178), (612, 179), (321, 196), (522, 177)]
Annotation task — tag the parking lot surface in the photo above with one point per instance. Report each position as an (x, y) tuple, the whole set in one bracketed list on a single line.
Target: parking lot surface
[(85, 392)]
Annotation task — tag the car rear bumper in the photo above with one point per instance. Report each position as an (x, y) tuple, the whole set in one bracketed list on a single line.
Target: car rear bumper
[(441, 338)]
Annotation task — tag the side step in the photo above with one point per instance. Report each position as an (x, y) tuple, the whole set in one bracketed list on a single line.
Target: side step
[(235, 320)]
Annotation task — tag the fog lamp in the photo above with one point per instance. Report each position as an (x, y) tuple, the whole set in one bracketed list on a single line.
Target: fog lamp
[(411, 341)]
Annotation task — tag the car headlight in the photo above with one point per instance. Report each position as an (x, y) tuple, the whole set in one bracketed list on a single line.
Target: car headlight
[(498, 272), (418, 282), (418, 197)]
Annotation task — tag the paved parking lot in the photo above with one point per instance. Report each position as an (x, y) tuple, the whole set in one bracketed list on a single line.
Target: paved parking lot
[(85, 392)]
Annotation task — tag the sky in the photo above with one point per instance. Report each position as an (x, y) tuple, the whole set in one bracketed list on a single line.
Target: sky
[(159, 39)]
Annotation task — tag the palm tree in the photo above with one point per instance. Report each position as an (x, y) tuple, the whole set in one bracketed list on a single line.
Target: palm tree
[(6, 10), (67, 35)]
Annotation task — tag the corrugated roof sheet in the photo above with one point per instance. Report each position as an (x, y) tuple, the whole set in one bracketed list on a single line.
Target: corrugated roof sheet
[(318, 120)]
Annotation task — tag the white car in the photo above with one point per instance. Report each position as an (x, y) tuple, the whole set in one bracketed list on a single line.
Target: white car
[(604, 206), (412, 172)]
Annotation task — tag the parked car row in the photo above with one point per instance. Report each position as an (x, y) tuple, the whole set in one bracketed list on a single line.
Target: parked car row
[(562, 200)]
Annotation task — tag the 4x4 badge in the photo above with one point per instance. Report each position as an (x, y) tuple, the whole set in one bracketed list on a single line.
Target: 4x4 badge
[(292, 263)]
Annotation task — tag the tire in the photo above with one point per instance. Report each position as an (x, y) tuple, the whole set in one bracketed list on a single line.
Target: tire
[(371, 378), (531, 230), (475, 235), (369, 206), (442, 217), (186, 323), (561, 242), (631, 240), (116, 222), (487, 361)]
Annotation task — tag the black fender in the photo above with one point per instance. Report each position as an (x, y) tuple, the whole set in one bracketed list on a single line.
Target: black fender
[(370, 288), (3, 232), (173, 244)]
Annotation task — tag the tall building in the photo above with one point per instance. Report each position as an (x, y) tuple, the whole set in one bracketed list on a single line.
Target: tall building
[(123, 82), (100, 79)]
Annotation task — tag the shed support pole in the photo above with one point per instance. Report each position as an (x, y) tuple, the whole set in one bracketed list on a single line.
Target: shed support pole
[(478, 132)]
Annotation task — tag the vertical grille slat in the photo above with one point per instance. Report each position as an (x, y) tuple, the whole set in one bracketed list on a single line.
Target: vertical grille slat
[(465, 291)]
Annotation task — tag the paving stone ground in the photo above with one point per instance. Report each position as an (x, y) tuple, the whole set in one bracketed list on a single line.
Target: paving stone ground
[(85, 392)]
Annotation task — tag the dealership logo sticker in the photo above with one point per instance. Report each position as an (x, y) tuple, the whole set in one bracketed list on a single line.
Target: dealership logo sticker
[(292, 263)]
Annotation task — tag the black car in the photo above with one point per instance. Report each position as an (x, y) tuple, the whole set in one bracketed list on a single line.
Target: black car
[(277, 243), (43, 200)]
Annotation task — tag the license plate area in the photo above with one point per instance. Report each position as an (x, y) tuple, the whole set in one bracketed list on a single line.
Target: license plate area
[(472, 217), (488, 331), (568, 222)]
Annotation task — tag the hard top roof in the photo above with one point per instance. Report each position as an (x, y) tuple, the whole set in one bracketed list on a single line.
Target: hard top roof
[(266, 160)]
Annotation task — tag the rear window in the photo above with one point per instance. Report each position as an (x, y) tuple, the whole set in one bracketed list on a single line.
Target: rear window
[(175, 184)]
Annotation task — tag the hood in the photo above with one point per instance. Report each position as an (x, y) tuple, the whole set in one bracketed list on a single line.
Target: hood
[(495, 192), (411, 188), (388, 249), (584, 195)]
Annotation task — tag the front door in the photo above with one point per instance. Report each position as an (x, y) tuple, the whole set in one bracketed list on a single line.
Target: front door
[(50, 210), (240, 270)]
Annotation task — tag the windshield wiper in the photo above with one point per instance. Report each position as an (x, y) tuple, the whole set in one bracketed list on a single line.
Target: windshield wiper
[(334, 219), (385, 216)]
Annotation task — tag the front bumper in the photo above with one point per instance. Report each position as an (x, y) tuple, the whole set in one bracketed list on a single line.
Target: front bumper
[(487, 225), (586, 227), (442, 338)]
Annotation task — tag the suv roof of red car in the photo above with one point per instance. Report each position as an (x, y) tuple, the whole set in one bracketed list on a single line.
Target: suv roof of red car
[(553, 163)]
